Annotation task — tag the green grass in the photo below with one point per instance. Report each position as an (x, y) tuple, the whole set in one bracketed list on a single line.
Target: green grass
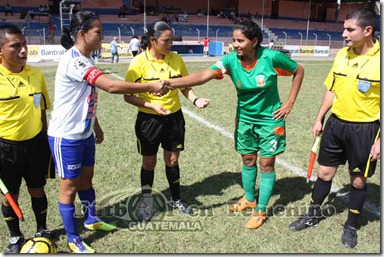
[(210, 170)]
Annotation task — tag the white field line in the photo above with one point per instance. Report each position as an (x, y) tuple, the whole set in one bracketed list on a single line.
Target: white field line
[(372, 208)]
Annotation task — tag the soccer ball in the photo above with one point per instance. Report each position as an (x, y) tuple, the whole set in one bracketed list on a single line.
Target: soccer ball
[(39, 245)]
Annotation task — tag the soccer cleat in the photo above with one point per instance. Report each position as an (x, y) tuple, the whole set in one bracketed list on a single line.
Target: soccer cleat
[(100, 225), (349, 237), (16, 243), (43, 232), (257, 219), (145, 211), (181, 205), (303, 222), (242, 205), (78, 246)]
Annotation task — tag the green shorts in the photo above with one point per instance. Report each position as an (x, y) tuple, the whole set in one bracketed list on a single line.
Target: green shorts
[(268, 141)]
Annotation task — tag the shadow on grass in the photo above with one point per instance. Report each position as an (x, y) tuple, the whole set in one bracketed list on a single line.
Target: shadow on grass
[(57, 235), (341, 199), (289, 189), (124, 212)]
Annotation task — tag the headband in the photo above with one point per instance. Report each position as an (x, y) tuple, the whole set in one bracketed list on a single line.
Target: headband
[(84, 22)]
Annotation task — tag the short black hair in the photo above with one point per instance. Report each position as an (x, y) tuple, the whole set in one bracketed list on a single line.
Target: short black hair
[(364, 17), (10, 30)]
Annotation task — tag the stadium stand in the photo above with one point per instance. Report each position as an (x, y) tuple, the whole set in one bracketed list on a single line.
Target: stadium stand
[(288, 30)]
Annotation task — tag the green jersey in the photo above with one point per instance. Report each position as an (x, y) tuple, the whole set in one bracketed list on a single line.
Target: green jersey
[(257, 91)]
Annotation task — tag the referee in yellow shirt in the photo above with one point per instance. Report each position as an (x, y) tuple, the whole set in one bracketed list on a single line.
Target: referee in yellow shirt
[(24, 149), (352, 133), (160, 120)]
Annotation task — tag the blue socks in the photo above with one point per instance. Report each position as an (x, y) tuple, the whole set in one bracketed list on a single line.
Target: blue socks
[(87, 198), (67, 212)]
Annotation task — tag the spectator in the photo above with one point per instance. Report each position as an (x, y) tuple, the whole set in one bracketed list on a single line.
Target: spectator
[(95, 55), (206, 44), (271, 44), (199, 12), (51, 32), (134, 45), (123, 11), (8, 9), (114, 51), (249, 16), (221, 14), (185, 16), (168, 19), (176, 18), (23, 13), (46, 9)]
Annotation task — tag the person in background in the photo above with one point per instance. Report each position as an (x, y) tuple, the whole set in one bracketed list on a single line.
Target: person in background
[(352, 132), (260, 115), (24, 149), (160, 120), (271, 44), (123, 10), (74, 128), (51, 32), (134, 45), (8, 9), (95, 55), (114, 50), (206, 45)]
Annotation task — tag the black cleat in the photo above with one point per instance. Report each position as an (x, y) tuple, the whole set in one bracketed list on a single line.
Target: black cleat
[(43, 232), (180, 204), (16, 243), (304, 222), (349, 237)]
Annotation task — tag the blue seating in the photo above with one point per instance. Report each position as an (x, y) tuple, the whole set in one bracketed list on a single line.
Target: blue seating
[(294, 34)]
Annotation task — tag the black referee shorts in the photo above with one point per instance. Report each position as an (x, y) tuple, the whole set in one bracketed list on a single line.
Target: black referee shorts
[(153, 130), (29, 159), (348, 141)]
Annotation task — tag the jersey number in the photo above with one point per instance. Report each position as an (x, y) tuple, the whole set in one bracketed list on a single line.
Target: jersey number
[(274, 145)]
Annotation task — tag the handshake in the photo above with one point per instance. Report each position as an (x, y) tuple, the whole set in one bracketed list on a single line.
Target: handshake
[(160, 87)]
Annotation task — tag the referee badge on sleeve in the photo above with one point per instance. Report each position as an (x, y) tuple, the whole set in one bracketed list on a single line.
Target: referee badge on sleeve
[(37, 100), (364, 85)]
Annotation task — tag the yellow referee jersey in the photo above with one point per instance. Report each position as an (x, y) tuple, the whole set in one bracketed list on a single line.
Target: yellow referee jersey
[(22, 97), (145, 69), (355, 80)]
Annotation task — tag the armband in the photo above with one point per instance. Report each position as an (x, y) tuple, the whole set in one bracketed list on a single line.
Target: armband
[(92, 74)]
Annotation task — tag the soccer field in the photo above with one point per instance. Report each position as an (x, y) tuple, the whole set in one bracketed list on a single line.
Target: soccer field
[(210, 178)]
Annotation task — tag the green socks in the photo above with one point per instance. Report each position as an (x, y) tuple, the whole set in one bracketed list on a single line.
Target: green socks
[(267, 181), (248, 177)]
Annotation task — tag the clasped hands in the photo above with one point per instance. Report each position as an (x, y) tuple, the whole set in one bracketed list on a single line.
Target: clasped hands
[(161, 88)]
